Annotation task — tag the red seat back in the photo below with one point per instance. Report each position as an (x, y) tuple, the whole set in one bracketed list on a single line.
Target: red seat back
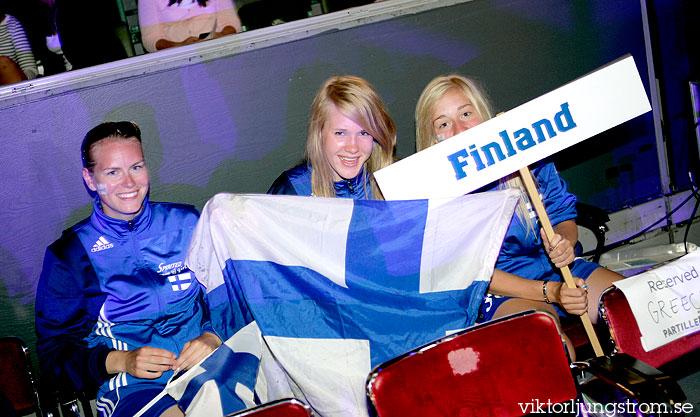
[(495, 369), (281, 408), (16, 379), (626, 335)]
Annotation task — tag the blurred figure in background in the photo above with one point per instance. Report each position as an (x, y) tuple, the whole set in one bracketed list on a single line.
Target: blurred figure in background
[(168, 23), (17, 61), (37, 19), (91, 32), (54, 61)]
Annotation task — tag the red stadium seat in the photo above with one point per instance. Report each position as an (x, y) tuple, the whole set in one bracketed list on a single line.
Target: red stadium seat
[(281, 408), (500, 368), (631, 369), (16, 377), (616, 312)]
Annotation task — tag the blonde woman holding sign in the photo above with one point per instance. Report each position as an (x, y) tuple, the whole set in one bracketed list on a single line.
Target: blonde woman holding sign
[(452, 104)]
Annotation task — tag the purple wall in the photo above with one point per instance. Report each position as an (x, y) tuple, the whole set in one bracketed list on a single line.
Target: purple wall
[(234, 123)]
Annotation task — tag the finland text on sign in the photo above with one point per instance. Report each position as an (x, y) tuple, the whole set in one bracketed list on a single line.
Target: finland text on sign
[(665, 301), (561, 118)]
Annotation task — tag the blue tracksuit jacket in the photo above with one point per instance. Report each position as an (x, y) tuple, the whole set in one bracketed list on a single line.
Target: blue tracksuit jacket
[(111, 284), (297, 181), (522, 253)]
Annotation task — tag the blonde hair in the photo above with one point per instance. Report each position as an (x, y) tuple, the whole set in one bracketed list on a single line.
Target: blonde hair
[(431, 95), (357, 100), (425, 133)]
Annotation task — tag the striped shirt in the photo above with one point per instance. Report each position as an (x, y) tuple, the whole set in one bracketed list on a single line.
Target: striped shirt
[(14, 44)]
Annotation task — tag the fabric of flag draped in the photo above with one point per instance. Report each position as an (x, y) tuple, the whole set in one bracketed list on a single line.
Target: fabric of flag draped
[(328, 288)]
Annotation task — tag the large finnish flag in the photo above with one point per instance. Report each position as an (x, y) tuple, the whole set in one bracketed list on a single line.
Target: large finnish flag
[(337, 286)]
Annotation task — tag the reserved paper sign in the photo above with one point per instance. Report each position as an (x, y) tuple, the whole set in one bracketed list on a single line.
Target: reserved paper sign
[(561, 118), (665, 301)]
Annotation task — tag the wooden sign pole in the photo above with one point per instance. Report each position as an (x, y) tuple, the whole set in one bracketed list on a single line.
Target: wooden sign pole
[(534, 195)]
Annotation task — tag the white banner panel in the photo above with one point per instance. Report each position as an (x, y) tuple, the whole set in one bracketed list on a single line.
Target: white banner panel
[(665, 301), (532, 131)]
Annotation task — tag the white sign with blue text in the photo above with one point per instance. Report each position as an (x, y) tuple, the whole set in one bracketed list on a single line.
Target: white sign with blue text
[(532, 131), (666, 300)]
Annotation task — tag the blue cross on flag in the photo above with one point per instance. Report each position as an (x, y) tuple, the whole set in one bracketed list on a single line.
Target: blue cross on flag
[(180, 282), (336, 286)]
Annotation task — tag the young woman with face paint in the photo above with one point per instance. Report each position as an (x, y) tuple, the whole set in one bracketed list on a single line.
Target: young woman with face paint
[(452, 104), (350, 137), (116, 306)]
